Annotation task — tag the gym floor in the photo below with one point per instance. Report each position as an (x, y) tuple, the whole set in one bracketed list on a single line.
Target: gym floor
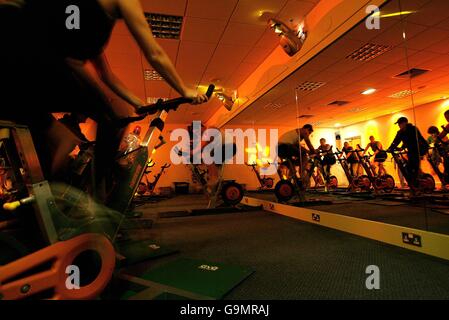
[(430, 217), (293, 259)]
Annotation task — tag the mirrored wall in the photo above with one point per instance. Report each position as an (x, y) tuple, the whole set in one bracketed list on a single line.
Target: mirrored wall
[(375, 100)]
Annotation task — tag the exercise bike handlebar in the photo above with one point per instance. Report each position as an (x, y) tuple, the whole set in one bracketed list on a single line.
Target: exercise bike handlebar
[(171, 104), (396, 151), (161, 105)]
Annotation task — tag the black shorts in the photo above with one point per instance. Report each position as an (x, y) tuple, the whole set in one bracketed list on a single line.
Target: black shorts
[(381, 156), (329, 160), (352, 160)]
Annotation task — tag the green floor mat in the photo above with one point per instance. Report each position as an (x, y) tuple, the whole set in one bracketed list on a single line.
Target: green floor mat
[(138, 251), (212, 280)]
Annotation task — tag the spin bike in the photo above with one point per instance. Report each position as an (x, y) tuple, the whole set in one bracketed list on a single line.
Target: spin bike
[(381, 183), (288, 186), (356, 183), (426, 182), (436, 168), (74, 231), (265, 183), (321, 177), (230, 193), (148, 187), (33, 264)]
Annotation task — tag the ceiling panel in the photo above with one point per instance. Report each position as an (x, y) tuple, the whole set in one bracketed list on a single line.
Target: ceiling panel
[(171, 7), (225, 40), (432, 13), (213, 10), (295, 11), (249, 11), (242, 34), (195, 30)]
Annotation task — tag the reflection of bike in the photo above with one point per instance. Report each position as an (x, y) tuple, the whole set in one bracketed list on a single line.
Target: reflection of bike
[(147, 186), (321, 177), (287, 186), (265, 183), (356, 183), (426, 183), (435, 165), (383, 182)]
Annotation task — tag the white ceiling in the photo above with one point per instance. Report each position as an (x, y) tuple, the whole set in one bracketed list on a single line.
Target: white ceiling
[(221, 41)]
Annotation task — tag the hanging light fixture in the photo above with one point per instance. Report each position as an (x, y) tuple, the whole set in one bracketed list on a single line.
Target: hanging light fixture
[(290, 40), (228, 102)]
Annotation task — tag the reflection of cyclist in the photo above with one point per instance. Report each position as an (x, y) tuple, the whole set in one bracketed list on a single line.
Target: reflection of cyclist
[(440, 149), (379, 155), (416, 146), (288, 146), (351, 157), (328, 158)]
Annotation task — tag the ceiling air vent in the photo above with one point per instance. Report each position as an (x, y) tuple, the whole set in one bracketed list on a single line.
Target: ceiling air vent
[(368, 52), (356, 110), (273, 106), (402, 94), (310, 86), (338, 103), (152, 75), (305, 116), (412, 73), (165, 26)]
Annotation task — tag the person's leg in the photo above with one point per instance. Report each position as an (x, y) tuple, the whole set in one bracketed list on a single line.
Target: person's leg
[(413, 168), (446, 167), (374, 167), (382, 170), (351, 169)]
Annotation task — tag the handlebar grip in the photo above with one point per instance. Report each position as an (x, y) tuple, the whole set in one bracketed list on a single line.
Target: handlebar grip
[(11, 206), (210, 90), (172, 104)]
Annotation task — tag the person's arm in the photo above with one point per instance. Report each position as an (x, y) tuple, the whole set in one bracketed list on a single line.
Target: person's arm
[(443, 133), (379, 148), (132, 13), (309, 145), (108, 77)]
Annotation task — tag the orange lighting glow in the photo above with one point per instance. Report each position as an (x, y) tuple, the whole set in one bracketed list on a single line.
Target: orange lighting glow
[(369, 91), (255, 152), (445, 103)]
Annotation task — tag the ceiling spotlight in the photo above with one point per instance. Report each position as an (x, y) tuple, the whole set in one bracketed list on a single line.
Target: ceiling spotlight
[(338, 125), (291, 40), (228, 102), (369, 91)]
